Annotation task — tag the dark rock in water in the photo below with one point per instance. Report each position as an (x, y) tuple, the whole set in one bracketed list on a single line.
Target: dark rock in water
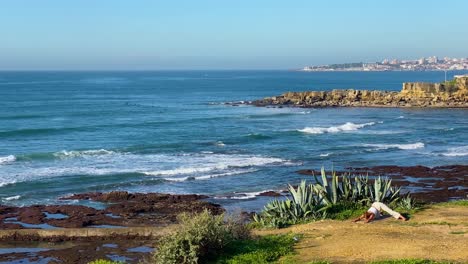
[(123, 209), (438, 184), (270, 194)]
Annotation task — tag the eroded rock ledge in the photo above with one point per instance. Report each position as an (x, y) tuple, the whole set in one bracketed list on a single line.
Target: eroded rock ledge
[(450, 94), (122, 209)]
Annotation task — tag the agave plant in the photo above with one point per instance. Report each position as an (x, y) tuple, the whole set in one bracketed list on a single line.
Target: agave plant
[(383, 191), (355, 188), (303, 204), (311, 201), (407, 202)]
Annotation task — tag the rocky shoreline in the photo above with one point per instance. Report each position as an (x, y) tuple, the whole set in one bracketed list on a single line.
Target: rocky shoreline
[(129, 224), (453, 94), (437, 184)]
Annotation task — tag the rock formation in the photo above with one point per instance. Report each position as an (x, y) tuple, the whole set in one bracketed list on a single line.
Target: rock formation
[(448, 94)]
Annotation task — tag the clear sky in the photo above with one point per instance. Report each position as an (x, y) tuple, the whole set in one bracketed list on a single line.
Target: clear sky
[(224, 34)]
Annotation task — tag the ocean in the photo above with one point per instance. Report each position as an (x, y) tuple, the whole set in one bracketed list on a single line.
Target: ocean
[(169, 131)]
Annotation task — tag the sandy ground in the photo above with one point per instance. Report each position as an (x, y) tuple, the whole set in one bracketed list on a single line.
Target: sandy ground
[(437, 233)]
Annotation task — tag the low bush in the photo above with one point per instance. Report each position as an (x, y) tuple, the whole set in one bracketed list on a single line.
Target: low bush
[(198, 237)]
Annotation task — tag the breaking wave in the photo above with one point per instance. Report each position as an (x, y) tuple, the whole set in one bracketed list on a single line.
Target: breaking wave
[(219, 162), (243, 196), (210, 176), (181, 166), (335, 129), (11, 198), (7, 159), (417, 145), (456, 152), (75, 153)]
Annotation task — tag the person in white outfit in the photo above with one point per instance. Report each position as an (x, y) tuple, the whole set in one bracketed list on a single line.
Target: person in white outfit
[(375, 212)]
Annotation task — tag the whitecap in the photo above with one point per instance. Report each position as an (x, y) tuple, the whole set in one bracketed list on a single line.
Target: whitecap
[(81, 153), (7, 159), (410, 146), (5, 183), (164, 165), (211, 176), (325, 154), (457, 152), (243, 196), (400, 117), (219, 164), (11, 198), (335, 129), (220, 144)]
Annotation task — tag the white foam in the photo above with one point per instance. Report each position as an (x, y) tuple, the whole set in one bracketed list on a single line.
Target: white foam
[(16, 197), (218, 162), (220, 144), (210, 176), (7, 159), (201, 165), (417, 145), (457, 152), (80, 153), (5, 183), (243, 196), (335, 129), (400, 117), (325, 154)]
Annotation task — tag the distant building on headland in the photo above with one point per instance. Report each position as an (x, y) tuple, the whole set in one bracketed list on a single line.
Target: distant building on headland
[(423, 64), (460, 76)]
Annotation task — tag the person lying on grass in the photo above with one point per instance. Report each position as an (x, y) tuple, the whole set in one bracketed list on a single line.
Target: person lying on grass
[(374, 213)]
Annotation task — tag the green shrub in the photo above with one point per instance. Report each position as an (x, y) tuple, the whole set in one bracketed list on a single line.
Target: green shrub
[(197, 236), (265, 249)]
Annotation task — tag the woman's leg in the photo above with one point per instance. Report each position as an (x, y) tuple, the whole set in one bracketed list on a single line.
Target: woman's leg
[(382, 207)]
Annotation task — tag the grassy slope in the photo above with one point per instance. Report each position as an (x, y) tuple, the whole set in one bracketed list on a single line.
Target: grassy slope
[(439, 233)]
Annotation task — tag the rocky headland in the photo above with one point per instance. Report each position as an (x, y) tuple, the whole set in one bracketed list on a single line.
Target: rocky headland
[(452, 94)]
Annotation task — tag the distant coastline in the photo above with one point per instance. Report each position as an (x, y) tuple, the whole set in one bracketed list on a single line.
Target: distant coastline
[(423, 64)]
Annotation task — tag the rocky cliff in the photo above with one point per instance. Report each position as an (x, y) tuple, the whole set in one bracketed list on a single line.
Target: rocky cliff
[(449, 94)]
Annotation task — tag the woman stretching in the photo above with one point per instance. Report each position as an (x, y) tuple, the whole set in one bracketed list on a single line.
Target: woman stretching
[(374, 213)]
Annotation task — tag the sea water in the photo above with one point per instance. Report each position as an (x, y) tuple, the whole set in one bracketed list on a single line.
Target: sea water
[(169, 131)]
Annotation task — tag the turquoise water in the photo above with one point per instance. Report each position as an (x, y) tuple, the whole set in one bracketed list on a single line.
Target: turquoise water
[(72, 132)]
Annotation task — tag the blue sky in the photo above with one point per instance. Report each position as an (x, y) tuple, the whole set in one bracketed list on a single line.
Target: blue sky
[(216, 34)]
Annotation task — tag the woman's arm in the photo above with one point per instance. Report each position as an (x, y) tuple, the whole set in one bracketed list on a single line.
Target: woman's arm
[(371, 217), (359, 218)]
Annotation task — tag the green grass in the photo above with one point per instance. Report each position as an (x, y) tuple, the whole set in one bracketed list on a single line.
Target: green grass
[(265, 249), (409, 261), (438, 223), (463, 203), (458, 232), (345, 211), (104, 261)]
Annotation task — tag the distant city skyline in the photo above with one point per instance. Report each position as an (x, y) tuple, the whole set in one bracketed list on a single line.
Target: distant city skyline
[(432, 63), (210, 34)]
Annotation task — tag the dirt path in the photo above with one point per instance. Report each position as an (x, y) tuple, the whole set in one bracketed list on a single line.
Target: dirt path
[(437, 233)]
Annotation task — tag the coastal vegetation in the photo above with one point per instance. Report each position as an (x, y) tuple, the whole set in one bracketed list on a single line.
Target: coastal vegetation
[(209, 238), (198, 237), (334, 197)]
